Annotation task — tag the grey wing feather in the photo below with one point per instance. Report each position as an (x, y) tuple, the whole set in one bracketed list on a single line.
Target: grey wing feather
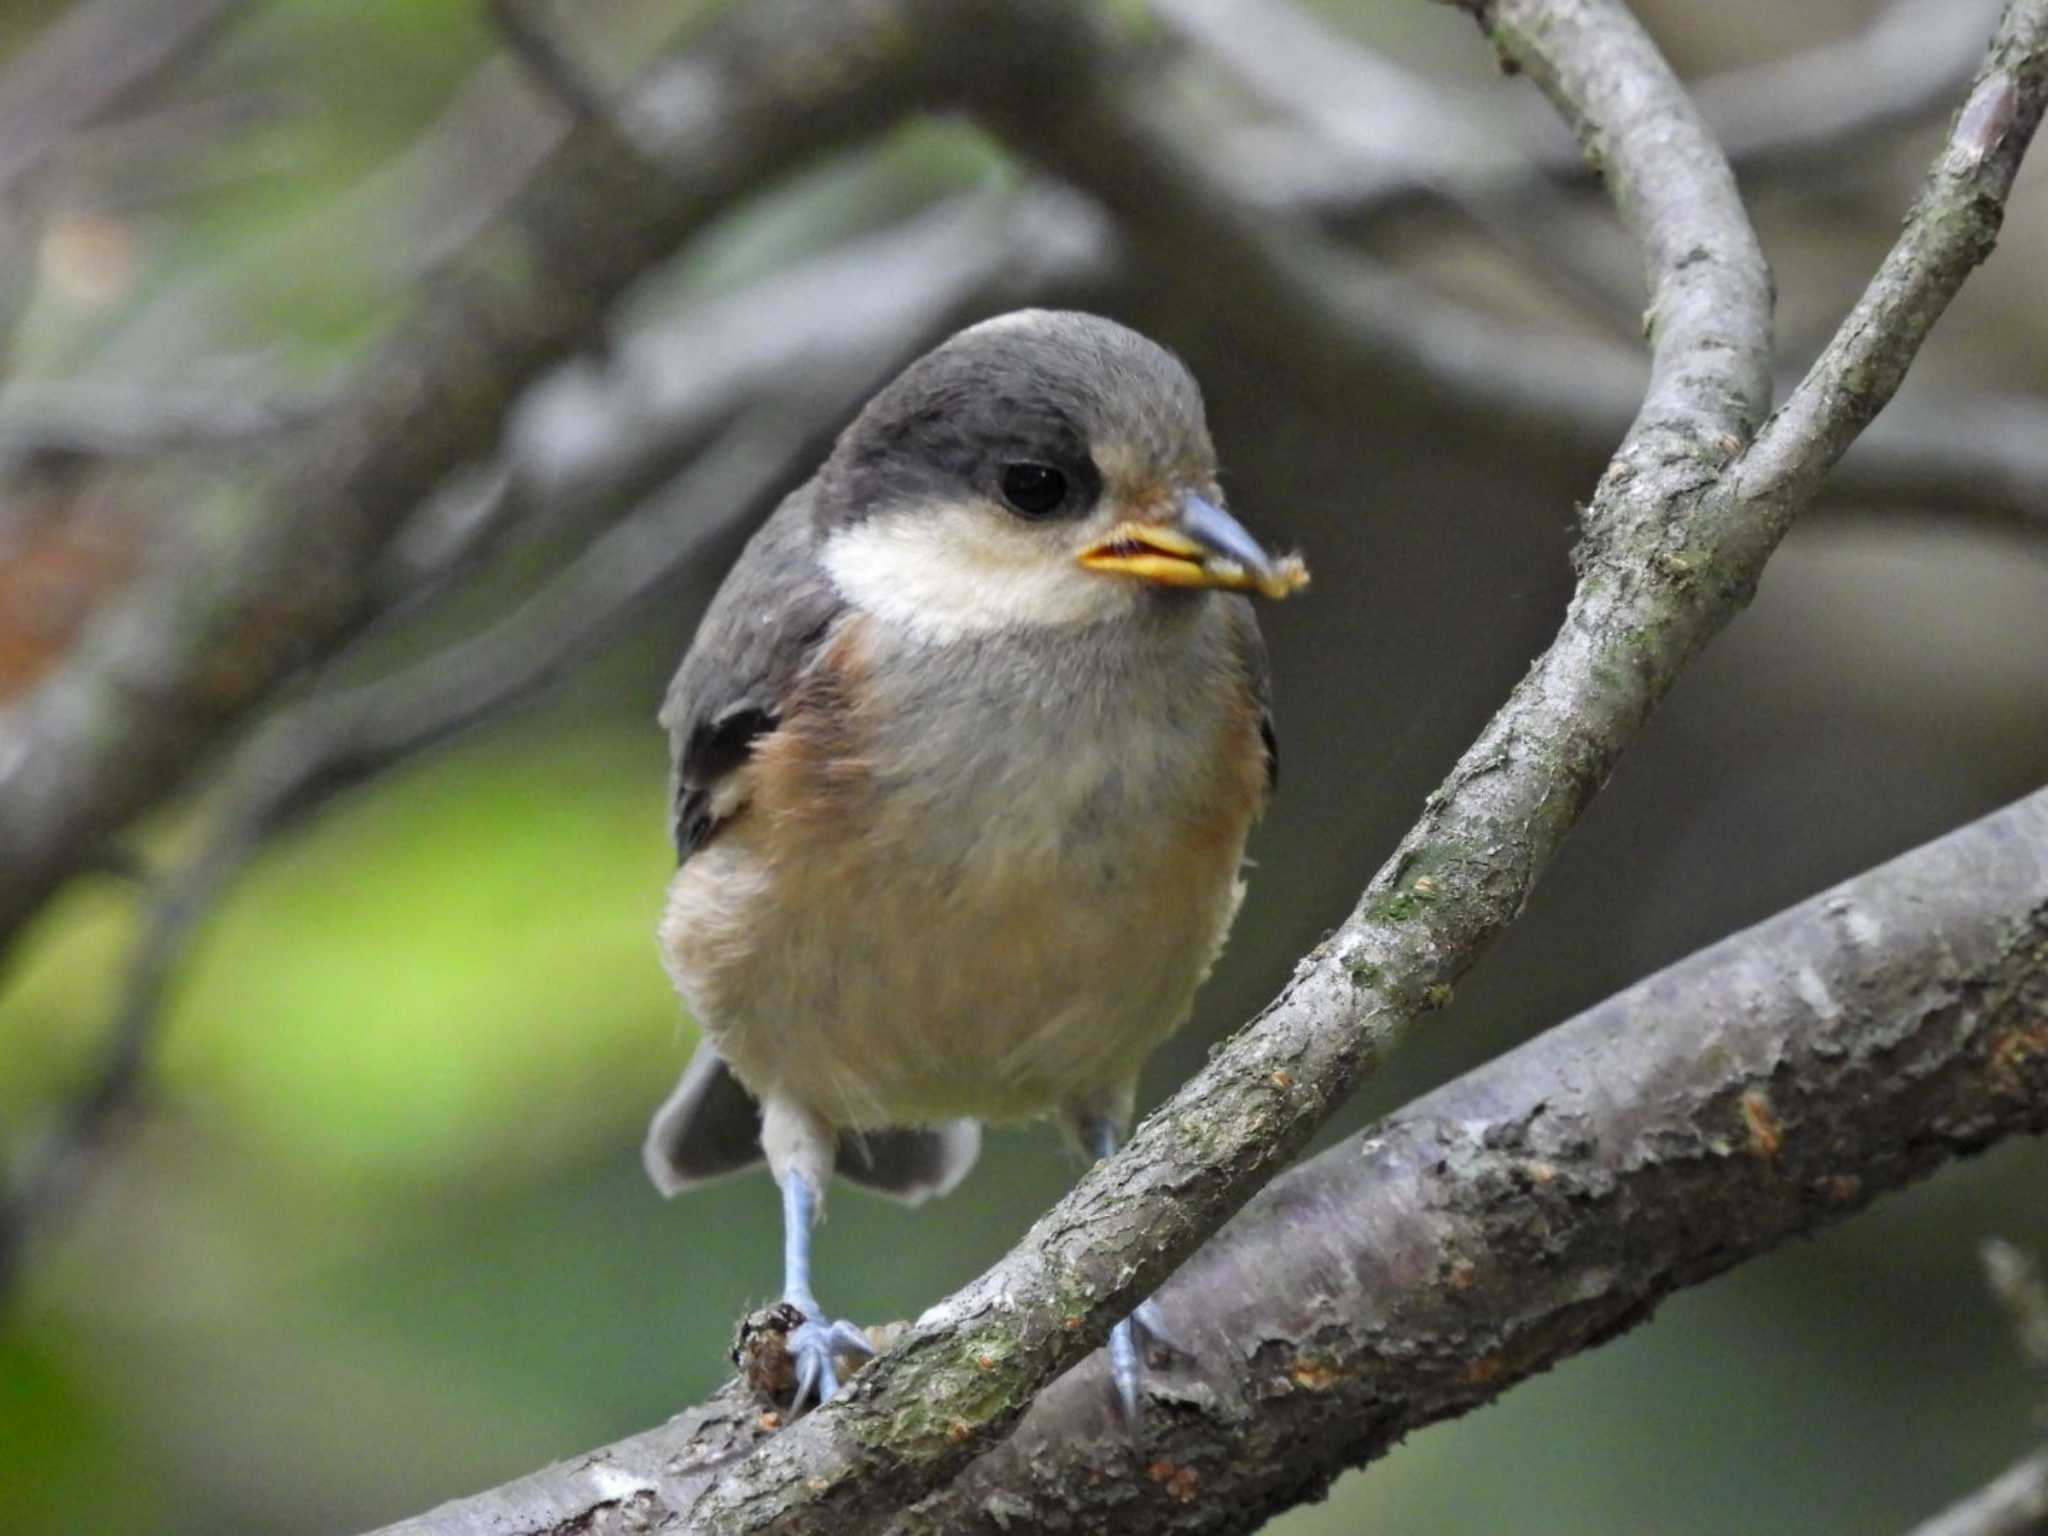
[(910, 1163), (757, 637), (711, 1126)]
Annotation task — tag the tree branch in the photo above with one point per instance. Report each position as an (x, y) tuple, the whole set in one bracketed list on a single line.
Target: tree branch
[(1757, 1090), (87, 63), (2020, 1288), (1382, 134), (2015, 1503)]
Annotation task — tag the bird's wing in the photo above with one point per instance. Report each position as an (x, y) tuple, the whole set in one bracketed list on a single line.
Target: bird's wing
[(1250, 646), (760, 633)]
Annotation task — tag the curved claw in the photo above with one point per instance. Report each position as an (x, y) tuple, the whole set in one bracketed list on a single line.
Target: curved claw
[(815, 1345)]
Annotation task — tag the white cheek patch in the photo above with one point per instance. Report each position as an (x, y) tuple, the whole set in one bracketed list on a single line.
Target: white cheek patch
[(949, 571)]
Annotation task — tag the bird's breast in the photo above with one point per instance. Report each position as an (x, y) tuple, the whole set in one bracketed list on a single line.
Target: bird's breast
[(978, 878)]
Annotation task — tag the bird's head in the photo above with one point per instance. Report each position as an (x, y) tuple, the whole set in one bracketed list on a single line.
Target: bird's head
[(1041, 468)]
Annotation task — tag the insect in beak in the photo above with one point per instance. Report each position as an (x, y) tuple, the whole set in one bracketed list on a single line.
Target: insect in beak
[(1203, 546)]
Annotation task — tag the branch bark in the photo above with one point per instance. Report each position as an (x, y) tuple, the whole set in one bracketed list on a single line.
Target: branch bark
[(1757, 1090)]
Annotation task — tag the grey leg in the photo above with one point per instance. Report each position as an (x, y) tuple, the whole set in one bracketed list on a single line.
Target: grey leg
[(816, 1343), (1126, 1353)]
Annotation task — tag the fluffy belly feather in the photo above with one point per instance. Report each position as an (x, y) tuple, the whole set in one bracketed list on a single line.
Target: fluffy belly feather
[(873, 999)]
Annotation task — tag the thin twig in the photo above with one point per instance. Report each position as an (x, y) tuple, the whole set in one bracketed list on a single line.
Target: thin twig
[(2016, 1281), (536, 42), (1672, 549), (1378, 135), (2015, 1503)]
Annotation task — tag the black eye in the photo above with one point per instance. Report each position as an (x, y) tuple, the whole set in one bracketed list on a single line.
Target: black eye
[(1033, 489)]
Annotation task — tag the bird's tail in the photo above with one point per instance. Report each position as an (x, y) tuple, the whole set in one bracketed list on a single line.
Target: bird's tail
[(711, 1126)]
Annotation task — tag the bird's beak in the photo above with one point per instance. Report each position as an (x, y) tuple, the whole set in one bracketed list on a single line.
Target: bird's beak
[(1204, 546)]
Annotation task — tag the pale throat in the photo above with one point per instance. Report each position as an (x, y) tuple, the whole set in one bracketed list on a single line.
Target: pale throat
[(947, 572)]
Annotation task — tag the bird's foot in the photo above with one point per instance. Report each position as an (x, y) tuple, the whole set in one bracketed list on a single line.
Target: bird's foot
[(1129, 1343), (791, 1354)]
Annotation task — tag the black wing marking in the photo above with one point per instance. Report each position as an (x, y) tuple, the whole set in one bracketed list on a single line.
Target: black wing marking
[(715, 749), (758, 636)]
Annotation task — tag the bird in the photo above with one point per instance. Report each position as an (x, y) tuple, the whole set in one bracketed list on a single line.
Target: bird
[(966, 749)]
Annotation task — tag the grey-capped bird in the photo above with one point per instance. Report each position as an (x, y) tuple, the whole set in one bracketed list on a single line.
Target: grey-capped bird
[(966, 751)]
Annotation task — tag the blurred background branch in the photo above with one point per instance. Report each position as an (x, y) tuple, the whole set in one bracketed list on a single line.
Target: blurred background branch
[(2015, 1503), (285, 542)]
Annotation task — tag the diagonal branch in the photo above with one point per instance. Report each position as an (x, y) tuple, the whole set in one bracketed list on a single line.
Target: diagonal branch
[(1757, 1090), (1770, 1084)]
